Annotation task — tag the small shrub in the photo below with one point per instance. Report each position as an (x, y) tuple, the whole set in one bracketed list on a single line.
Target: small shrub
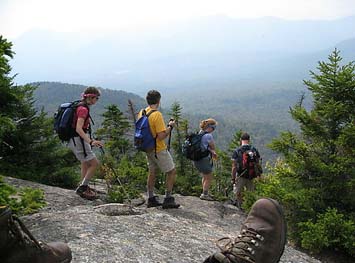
[(22, 201), (331, 230), (118, 193)]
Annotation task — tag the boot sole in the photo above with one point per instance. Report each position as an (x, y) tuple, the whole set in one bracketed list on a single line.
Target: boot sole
[(284, 237)]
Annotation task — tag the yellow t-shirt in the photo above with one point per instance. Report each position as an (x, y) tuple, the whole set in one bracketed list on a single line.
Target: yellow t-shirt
[(156, 124)]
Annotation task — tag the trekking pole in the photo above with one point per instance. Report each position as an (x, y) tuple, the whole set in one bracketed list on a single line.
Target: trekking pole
[(119, 181), (169, 140), (131, 109), (102, 150), (8, 145)]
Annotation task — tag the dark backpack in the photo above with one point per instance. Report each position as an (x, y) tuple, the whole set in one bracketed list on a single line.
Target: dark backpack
[(249, 163), (192, 149), (143, 138), (63, 120)]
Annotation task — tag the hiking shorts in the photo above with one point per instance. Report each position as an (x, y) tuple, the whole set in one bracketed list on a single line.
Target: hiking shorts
[(78, 149), (242, 182), (205, 165), (164, 161)]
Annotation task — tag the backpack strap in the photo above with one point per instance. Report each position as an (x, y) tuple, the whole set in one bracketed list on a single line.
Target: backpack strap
[(144, 113), (149, 113), (89, 128)]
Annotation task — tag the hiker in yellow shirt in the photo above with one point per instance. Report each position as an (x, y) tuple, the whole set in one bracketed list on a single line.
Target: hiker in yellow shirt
[(159, 158)]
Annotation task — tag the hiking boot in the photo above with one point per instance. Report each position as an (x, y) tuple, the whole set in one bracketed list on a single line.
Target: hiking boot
[(206, 197), (18, 245), (169, 202), (262, 238), (85, 192), (153, 201)]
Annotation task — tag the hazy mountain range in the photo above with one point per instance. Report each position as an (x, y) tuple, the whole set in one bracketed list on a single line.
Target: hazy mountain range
[(210, 52), (245, 73)]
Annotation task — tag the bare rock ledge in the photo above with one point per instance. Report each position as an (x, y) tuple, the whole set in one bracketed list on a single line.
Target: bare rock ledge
[(103, 233)]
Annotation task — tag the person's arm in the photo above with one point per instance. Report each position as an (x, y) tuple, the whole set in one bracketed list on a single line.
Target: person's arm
[(212, 149), (82, 134), (164, 134), (234, 170)]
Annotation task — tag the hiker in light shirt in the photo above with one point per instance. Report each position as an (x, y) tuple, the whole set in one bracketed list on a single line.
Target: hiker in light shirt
[(205, 165)]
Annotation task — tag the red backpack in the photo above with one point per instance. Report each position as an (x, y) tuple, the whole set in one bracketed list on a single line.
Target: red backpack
[(249, 163)]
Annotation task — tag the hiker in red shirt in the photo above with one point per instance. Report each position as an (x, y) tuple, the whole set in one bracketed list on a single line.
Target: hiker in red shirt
[(81, 144)]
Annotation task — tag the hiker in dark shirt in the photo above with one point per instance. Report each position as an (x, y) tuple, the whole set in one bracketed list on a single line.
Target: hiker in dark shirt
[(245, 167), (82, 143)]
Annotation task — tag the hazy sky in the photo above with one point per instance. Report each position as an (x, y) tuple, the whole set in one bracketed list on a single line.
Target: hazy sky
[(18, 16)]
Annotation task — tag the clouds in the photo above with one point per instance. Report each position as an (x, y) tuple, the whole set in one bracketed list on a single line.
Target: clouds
[(18, 16)]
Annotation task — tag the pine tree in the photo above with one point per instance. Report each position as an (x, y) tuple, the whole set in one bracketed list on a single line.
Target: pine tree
[(8, 96), (318, 168), (28, 148), (114, 132)]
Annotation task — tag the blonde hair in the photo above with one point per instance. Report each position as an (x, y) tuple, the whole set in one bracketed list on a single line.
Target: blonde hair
[(205, 123)]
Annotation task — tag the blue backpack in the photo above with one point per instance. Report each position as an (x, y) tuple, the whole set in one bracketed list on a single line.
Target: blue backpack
[(143, 138), (63, 120)]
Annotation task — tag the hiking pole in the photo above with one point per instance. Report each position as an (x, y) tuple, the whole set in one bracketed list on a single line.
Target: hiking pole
[(119, 181), (8, 145), (169, 140), (131, 109), (102, 150)]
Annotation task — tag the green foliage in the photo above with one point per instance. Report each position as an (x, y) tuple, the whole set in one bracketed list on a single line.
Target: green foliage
[(120, 193), (22, 201), (114, 127), (330, 230), (28, 148), (125, 179), (315, 182)]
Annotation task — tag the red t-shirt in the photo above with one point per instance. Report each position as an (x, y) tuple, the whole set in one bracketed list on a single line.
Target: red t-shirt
[(82, 112)]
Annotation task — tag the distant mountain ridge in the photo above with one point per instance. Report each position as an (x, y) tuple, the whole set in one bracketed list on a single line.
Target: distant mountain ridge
[(49, 95), (208, 50)]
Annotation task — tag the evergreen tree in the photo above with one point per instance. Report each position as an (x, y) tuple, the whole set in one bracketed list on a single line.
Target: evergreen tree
[(316, 180), (235, 143), (114, 130), (9, 96), (28, 148), (188, 181), (178, 137)]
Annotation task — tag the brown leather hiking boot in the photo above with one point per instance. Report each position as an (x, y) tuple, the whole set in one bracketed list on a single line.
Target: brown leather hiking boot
[(17, 245), (262, 238), (86, 192)]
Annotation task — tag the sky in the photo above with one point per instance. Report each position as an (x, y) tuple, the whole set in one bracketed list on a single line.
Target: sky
[(19, 16)]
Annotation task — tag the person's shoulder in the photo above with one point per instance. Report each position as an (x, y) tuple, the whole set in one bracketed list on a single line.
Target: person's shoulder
[(253, 148), (156, 116), (82, 108), (208, 135)]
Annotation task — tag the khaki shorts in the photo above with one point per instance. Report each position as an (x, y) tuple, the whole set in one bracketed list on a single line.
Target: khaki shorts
[(242, 182), (164, 161), (78, 150)]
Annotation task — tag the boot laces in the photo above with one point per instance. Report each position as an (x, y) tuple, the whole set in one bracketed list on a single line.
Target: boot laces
[(19, 231), (242, 247)]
